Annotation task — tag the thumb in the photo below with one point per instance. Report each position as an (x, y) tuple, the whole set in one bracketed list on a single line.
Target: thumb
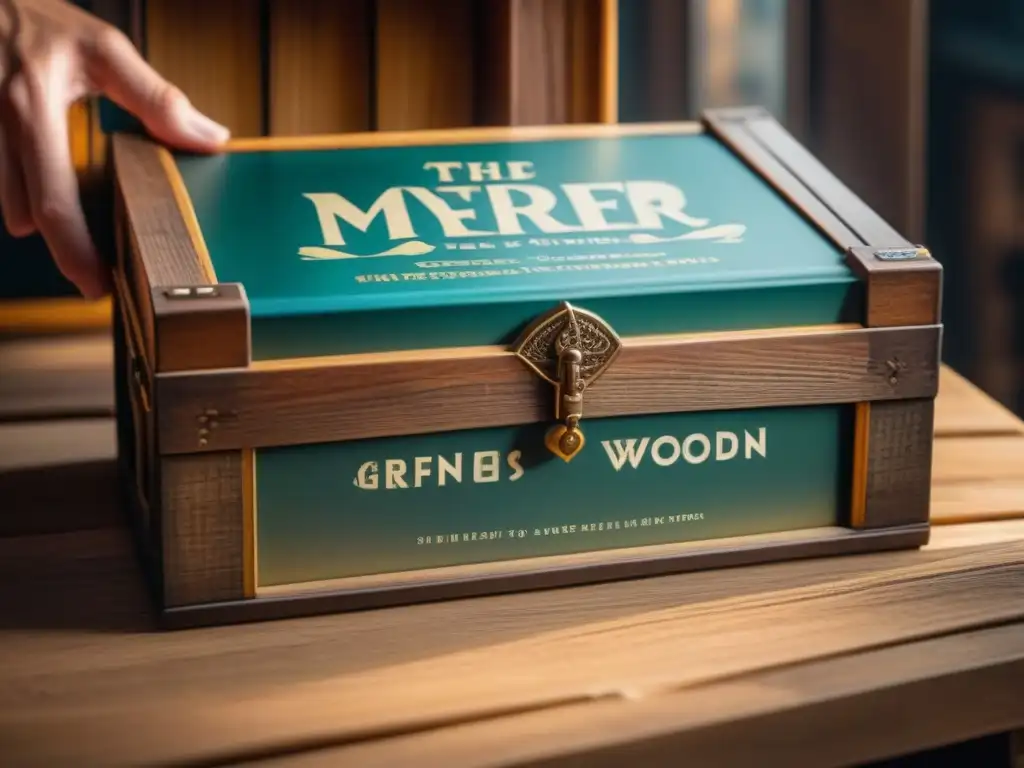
[(127, 79)]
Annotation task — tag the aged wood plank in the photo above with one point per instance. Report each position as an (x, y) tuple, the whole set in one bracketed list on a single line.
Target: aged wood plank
[(203, 541), (871, 228), (963, 409), (899, 292), (731, 127), (200, 332), (56, 377), (526, 69), (898, 463), (162, 236), (273, 687), (760, 719), (425, 391)]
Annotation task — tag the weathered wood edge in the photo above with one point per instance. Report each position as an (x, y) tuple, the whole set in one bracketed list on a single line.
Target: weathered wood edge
[(165, 244), (730, 127), (904, 292), (747, 550), (892, 454), (204, 528), (166, 255), (368, 396), (897, 471)]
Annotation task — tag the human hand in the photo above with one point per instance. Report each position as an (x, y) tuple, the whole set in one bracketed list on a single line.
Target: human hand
[(51, 55)]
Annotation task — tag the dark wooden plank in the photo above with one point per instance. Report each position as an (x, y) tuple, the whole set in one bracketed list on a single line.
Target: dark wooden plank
[(125, 698), (899, 292), (529, 84), (163, 237), (208, 327), (526, 574), (203, 528), (361, 396), (730, 126), (898, 467), (857, 215)]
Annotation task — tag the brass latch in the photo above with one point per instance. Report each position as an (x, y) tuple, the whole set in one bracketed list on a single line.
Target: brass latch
[(569, 348)]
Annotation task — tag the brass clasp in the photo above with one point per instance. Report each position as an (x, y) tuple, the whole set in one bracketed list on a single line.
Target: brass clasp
[(569, 348)]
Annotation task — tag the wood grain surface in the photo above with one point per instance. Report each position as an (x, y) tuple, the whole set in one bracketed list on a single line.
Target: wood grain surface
[(161, 234), (320, 66), (125, 696), (732, 666), (424, 63), (289, 402), (203, 546), (60, 376)]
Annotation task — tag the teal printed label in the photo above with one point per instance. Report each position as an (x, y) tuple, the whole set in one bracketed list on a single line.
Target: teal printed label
[(394, 504), (347, 230)]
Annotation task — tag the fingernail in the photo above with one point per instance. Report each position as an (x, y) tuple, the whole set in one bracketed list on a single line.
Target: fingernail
[(206, 129)]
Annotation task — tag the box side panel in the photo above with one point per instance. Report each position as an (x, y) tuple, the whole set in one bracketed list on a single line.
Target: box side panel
[(896, 464), (204, 528), (338, 510)]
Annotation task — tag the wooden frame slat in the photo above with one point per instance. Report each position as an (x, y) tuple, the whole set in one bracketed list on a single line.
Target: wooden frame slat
[(437, 390), (164, 239), (893, 447), (730, 127), (204, 536)]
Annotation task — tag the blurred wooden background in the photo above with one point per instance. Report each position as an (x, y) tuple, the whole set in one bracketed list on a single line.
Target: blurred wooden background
[(915, 104)]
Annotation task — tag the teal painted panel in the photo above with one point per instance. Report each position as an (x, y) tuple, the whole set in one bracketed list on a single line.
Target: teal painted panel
[(379, 237), (393, 504), (422, 328)]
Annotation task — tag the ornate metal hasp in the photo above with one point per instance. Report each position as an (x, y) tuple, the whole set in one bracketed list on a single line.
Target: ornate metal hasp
[(569, 348)]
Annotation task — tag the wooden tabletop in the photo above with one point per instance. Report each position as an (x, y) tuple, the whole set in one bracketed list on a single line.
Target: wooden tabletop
[(819, 662)]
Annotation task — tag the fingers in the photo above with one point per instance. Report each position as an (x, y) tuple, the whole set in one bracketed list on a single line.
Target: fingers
[(123, 75), (14, 206), (41, 105)]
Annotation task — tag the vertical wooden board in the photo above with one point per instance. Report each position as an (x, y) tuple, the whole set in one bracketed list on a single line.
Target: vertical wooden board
[(523, 76), (899, 462), (203, 528), (585, 51), (869, 102), (425, 64), (320, 68), (212, 51)]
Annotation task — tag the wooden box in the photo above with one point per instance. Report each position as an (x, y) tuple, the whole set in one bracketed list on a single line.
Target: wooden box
[(380, 368)]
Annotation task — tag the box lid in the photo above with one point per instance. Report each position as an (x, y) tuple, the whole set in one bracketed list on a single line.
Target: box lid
[(638, 223)]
